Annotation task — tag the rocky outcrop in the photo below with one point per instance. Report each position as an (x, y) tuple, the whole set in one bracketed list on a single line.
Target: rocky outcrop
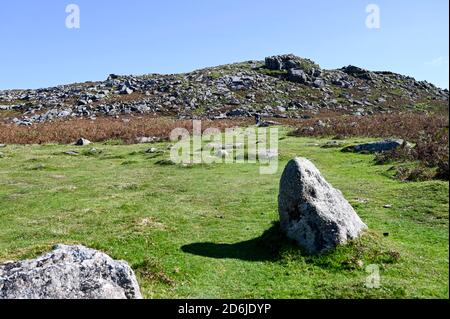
[(215, 93), (290, 61), (312, 212), (359, 72), (69, 272)]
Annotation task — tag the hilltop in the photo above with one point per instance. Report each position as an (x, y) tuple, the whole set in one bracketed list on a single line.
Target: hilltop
[(212, 230), (284, 86)]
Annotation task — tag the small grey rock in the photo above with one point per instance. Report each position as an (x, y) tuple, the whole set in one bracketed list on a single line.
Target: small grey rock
[(319, 83), (146, 140), (332, 144), (72, 153), (126, 90), (152, 150), (83, 142)]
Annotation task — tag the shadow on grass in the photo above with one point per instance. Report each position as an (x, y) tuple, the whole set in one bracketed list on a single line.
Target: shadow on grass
[(263, 248), (273, 246)]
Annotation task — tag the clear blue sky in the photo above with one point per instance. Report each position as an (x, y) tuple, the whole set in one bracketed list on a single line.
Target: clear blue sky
[(171, 36)]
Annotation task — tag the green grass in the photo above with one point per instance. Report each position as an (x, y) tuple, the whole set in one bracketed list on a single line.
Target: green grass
[(207, 231), (215, 75), (273, 72)]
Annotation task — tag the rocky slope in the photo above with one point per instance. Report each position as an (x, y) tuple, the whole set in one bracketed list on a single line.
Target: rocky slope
[(283, 86)]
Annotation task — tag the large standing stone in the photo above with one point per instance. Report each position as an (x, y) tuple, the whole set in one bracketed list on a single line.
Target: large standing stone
[(69, 272), (312, 212)]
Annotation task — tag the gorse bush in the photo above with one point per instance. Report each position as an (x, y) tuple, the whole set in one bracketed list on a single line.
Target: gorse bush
[(111, 130), (427, 132)]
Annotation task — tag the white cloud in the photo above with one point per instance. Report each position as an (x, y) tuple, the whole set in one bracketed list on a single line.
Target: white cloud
[(439, 61)]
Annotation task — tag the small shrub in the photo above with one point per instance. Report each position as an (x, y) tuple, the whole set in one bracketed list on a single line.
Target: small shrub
[(400, 154), (442, 170), (429, 133), (414, 174)]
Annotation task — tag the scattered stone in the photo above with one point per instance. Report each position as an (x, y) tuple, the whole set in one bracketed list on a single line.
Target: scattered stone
[(93, 151), (333, 144), (267, 123), (83, 142), (321, 124), (281, 109), (152, 150), (312, 212), (24, 122), (126, 90), (267, 155), (387, 206), (2, 145), (64, 114), (375, 147), (146, 140), (72, 153), (237, 113), (69, 272), (319, 83)]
